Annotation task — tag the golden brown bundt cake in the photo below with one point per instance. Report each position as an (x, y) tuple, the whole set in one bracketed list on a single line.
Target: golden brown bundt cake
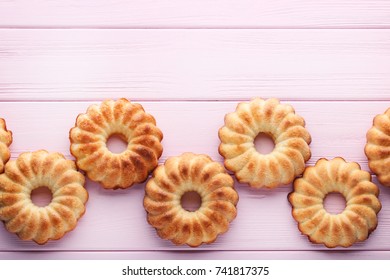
[(187, 173), (41, 169), (377, 148), (359, 217), (288, 132), (128, 120), (5, 142)]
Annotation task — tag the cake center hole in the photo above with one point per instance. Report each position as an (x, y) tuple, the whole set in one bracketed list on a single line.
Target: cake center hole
[(264, 144), (116, 143), (41, 196), (334, 203), (191, 201)]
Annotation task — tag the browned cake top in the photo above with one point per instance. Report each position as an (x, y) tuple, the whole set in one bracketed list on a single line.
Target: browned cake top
[(288, 132), (41, 169), (182, 174), (359, 217), (128, 120), (377, 148)]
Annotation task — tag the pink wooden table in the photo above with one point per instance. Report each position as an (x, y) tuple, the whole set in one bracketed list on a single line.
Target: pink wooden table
[(189, 63)]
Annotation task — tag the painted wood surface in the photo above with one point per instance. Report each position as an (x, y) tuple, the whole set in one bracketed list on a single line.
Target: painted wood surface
[(198, 255), (189, 63), (194, 64), (116, 220), (195, 14), (193, 126)]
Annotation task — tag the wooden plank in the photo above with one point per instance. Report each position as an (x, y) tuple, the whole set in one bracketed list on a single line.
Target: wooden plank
[(197, 255), (195, 14), (193, 126), (194, 64), (116, 220)]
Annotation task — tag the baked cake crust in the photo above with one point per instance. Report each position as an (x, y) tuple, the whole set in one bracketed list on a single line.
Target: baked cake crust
[(288, 132), (186, 173), (32, 170), (128, 120), (377, 148), (5, 142), (359, 217)]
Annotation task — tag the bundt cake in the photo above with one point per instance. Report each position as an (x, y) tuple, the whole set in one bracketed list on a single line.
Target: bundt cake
[(128, 120), (32, 170), (5, 142), (288, 132), (377, 148), (186, 173), (359, 217)]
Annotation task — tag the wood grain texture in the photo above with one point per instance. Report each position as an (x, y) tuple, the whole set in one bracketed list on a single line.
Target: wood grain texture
[(55, 65), (189, 63), (193, 126), (116, 220), (195, 14), (196, 255)]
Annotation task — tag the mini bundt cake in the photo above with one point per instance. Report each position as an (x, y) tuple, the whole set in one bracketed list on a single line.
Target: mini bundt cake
[(377, 148), (187, 173), (128, 120), (359, 217), (41, 169), (288, 132), (5, 142)]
